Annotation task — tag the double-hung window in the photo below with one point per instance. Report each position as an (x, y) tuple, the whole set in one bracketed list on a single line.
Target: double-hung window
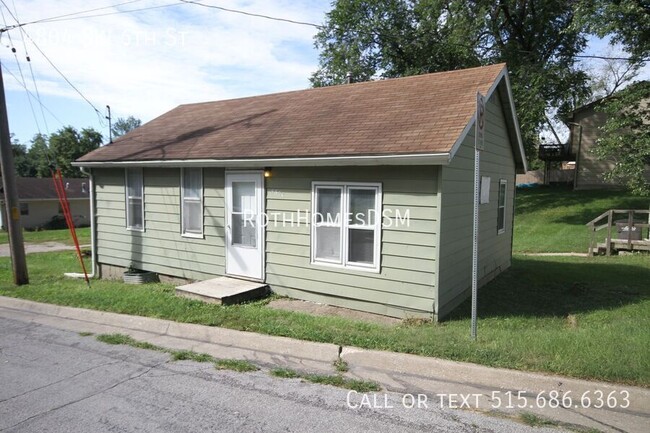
[(192, 202), (501, 208), (134, 199), (346, 227)]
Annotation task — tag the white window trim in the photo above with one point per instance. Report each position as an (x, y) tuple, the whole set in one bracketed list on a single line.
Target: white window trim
[(344, 241), (501, 231), (126, 199), (183, 232)]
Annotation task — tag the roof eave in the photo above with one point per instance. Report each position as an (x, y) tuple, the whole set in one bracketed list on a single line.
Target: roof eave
[(442, 158), (502, 84)]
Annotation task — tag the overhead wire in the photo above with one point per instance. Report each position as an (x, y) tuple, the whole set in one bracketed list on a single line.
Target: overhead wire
[(84, 14), (252, 14), (99, 114), (31, 70), (8, 71), (20, 70), (71, 16)]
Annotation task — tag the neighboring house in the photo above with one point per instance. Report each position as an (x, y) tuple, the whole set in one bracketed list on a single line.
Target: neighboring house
[(585, 123), (39, 204), (589, 170), (225, 188)]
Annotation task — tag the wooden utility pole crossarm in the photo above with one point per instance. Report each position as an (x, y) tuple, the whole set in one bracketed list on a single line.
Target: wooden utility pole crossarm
[(14, 228)]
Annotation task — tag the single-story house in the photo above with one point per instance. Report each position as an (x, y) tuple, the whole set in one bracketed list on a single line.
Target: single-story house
[(39, 203), (358, 195)]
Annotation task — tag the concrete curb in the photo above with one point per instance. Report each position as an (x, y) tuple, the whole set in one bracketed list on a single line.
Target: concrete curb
[(438, 382)]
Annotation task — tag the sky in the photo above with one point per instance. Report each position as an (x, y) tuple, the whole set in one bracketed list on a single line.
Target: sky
[(148, 62)]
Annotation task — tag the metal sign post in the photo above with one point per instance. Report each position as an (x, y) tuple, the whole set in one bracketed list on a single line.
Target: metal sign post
[(478, 147)]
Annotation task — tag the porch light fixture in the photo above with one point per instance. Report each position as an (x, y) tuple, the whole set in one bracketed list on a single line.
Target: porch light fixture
[(267, 173)]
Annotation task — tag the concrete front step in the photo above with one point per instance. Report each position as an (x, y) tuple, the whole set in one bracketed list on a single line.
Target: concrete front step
[(223, 290)]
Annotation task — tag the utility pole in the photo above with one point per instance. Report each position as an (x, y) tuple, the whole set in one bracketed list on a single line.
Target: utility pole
[(110, 124), (18, 261)]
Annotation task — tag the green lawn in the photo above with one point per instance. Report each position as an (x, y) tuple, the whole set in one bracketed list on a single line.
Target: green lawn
[(580, 317), (552, 219), (62, 235)]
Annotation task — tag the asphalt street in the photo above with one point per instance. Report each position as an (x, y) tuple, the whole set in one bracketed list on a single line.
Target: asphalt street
[(59, 381)]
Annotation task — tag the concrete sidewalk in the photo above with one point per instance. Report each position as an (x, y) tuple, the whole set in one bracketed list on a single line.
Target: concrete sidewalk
[(42, 247), (430, 381)]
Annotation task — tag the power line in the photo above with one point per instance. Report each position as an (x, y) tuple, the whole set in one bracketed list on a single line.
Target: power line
[(627, 59), (251, 14), (82, 12), (99, 115), (71, 16), (31, 70), (55, 20), (32, 95), (20, 70)]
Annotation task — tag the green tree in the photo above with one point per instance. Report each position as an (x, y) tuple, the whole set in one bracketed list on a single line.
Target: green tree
[(67, 144), (39, 156), (121, 126), (538, 39), (22, 164), (625, 138), (626, 21)]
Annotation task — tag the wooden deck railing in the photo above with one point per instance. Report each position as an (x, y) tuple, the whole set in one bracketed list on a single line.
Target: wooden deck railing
[(596, 225)]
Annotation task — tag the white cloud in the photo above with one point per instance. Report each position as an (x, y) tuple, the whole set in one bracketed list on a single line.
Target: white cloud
[(146, 63)]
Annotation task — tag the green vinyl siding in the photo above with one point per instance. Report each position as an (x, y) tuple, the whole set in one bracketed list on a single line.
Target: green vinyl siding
[(405, 284), (457, 186), (160, 248)]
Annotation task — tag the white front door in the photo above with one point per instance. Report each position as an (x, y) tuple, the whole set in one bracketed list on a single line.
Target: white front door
[(244, 231)]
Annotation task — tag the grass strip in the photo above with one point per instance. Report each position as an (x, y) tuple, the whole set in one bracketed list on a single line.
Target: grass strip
[(179, 355), (235, 365), (337, 380), (573, 316)]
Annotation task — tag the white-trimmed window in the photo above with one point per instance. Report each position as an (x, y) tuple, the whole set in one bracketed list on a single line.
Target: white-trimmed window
[(346, 229), (192, 202), (501, 207), (134, 199)]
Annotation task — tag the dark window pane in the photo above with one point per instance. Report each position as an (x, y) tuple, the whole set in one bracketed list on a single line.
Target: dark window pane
[(135, 214), (362, 206), (361, 246)]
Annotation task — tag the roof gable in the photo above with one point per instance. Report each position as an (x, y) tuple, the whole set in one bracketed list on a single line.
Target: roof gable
[(417, 115)]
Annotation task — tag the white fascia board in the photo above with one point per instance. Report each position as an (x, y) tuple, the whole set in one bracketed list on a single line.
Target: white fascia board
[(515, 122), (413, 159), (503, 75)]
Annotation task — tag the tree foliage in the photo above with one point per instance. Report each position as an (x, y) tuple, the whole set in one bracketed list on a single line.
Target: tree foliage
[(626, 21), (59, 150), (625, 138), (121, 126), (39, 156), (538, 39), (21, 163), (68, 144)]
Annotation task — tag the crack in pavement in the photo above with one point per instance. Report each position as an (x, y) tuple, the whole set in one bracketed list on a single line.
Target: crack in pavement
[(60, 380), (54, 409)]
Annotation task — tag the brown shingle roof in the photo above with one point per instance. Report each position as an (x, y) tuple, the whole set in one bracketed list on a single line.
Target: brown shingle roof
[(411, 115), (32, 188)]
